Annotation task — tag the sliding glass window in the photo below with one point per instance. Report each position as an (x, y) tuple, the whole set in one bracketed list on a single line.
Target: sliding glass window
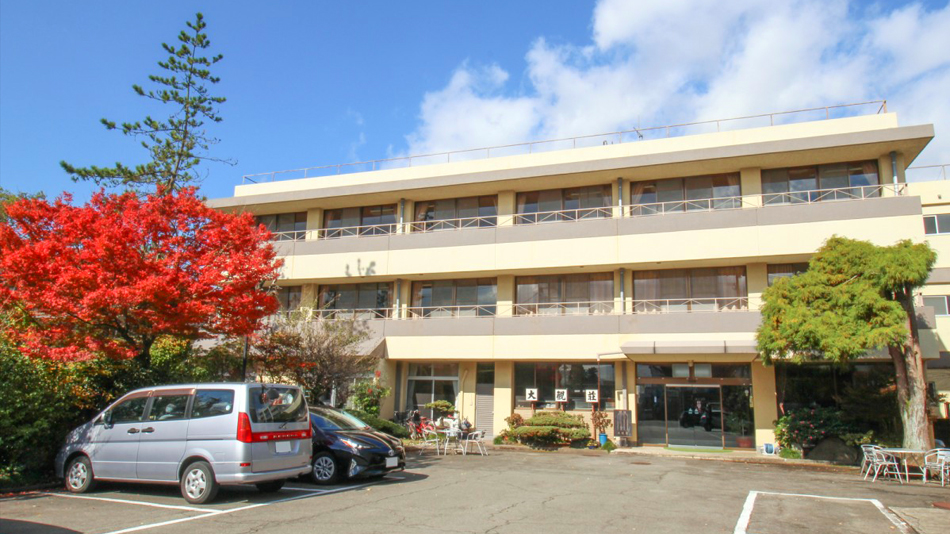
[(682, 290), (474, 297), (785, 270), (367, 301), (453, 213), (363, 221), (576, 378), (289, 297), (555, 205), (571, 294), (286, 226), (712, 192), (428, 383), (836, 181)]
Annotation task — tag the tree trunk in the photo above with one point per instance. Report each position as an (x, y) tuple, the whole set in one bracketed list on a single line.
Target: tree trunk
[(911, 383), (144, 357)]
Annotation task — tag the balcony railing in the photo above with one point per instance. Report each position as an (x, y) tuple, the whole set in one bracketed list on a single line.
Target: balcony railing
[(624, 136), (926, 173), (565, 308), (679, 206), (359, 313), (357, 231), (826, 195), (489, 221), (432, 312), (293, 235), (541, 217), (718, 304)]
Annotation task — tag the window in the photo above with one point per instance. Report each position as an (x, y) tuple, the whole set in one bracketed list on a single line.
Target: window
[(937, 224), (574, 377), (286, 226), (210, 402), (374, 298), (130, 411), (452, 213), (583, 202), (708, 289), (276, 404), (940, 304), (431, 382), (785, 270), (712, 192), (796, 185), (444, 298), (168, 408), (365, 221), (581, 294), (289, 297)]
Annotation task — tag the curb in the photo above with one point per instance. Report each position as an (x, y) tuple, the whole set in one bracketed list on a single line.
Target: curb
[(780, 462), (6, 492)]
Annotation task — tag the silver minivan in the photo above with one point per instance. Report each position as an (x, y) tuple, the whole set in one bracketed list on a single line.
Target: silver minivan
[(199, 436)]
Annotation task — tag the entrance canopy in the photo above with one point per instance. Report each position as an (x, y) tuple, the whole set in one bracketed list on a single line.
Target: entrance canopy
[(717, 346)]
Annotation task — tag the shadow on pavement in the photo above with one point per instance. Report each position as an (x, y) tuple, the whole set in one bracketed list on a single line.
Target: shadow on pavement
[(29, 527)]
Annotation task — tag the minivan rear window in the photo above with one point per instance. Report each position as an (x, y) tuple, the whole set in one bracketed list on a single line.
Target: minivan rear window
[(212, 402), (276, 404)]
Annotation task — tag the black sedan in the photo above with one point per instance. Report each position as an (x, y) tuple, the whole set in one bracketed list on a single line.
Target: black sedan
[(345, 447)]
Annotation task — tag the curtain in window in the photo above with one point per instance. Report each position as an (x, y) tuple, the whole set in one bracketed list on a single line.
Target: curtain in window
[(643, 193)]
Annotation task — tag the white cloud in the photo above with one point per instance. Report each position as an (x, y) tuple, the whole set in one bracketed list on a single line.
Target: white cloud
[(655, 62)]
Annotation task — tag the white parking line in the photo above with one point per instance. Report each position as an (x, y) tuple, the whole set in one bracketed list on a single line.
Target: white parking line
[(216, 513), (745, 517), (140, 503)]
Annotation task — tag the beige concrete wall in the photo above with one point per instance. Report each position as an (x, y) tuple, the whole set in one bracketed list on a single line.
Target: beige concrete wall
[(504, 395), (466, 397), (757, 279), (387, 377), (750, 183), (764, 403)]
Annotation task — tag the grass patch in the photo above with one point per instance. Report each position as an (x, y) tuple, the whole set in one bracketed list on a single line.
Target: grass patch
[(704, 451), (790, 454)]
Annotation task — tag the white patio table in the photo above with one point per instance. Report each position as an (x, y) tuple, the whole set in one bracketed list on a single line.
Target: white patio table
[(904, 454)]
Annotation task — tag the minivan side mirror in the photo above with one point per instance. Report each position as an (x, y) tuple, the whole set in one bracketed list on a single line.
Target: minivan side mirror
[(107, 418)]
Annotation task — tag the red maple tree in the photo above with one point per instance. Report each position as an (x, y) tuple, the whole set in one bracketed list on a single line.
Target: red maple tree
[(114, 275)]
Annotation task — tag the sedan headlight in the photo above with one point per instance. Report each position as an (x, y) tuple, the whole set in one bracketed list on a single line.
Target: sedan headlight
[(353, 444)]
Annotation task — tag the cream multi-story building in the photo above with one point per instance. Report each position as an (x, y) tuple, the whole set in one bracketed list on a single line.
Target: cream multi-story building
[(628, 266)]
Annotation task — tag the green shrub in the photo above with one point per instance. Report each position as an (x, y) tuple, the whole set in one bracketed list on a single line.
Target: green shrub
[(367, 395), (790, 454), (556, 419), (442, 407), (609, 446), (514, 420), (498, 440), (807, 426), (547, 436), (389, 427)]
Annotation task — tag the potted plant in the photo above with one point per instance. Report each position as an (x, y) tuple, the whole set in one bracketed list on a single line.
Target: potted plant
[(739, 423), (441, 409), (600, 422)]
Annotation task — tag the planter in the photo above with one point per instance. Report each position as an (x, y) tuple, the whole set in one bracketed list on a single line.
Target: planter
[(745, 442)]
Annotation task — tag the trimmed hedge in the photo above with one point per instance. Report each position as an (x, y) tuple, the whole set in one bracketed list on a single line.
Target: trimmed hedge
[(556, 419), (548, 435), (382, 425)]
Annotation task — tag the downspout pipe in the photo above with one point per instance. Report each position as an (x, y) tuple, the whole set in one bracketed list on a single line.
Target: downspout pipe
[(623, 300), (894, 166)]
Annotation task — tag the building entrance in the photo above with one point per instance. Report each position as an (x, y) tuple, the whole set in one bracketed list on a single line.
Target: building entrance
[(694, 416)]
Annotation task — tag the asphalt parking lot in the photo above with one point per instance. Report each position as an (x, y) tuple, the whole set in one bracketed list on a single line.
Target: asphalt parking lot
[(512, 492)]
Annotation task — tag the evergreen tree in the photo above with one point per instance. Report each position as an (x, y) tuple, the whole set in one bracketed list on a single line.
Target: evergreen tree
[(178, 144)]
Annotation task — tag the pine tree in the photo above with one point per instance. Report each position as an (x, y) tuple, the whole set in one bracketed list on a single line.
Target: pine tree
[(178, 144)]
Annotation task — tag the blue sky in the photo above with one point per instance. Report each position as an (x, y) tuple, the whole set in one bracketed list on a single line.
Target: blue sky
[(320, 83)]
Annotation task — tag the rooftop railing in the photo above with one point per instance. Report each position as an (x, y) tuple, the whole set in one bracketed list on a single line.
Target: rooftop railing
[(927, 173), (623, 136)]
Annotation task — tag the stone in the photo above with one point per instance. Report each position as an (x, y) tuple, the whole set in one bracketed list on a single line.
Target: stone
[(835, 450)]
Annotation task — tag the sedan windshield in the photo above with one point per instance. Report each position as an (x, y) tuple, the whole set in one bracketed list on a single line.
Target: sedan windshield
[(327, 419)]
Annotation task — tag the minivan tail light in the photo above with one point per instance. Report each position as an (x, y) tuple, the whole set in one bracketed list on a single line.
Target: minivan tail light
[(244, 434)]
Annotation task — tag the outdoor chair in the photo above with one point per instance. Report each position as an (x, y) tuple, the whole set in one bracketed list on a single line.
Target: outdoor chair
[(937, 462), (453, 433), (476, 438), (867, 453), (430, 440), (887, 465)]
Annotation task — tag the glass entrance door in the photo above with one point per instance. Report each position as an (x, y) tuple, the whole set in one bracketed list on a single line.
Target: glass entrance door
[(694, 416)]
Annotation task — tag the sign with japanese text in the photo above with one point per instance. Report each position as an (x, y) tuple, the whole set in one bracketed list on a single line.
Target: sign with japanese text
[(591, 395), (560, 395), (531, 394)]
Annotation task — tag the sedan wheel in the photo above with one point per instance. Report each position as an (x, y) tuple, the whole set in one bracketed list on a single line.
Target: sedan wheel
[(325, 469)]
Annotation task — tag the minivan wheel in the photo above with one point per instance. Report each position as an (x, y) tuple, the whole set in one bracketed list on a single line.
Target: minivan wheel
[(198, 485), (79, 477), (270, 487), (325, 469)]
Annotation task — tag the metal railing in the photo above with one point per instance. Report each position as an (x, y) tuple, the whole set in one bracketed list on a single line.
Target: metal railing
[(826, 195), (603, 307), (432, 312), (293, 235), (488, 221), (618, 137), (679, 206), (939, 172), (357, 231), (717, 304), (349, 313), (541, 217)]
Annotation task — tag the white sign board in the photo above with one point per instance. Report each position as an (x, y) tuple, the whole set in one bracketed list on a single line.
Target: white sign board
[(591, 395), (531, 394), (621, 396), (560, 395)]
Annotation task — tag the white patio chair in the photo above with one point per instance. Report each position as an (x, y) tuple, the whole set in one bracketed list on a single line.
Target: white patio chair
[(937, 462), (886, 464), (867, 453), (431, 440), (477, 439)]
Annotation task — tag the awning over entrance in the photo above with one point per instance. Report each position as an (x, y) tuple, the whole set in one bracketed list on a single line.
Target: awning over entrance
[(737, 346)]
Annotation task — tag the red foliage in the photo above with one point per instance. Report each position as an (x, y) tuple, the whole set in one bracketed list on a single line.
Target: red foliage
[(112, 276)]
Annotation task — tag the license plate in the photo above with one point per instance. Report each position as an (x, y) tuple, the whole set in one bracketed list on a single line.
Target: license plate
[(392, 462), (282, 446)]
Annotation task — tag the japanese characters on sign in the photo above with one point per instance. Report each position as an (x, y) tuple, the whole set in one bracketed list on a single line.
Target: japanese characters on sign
[(531, 394), (591, 395), (560, 395)]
